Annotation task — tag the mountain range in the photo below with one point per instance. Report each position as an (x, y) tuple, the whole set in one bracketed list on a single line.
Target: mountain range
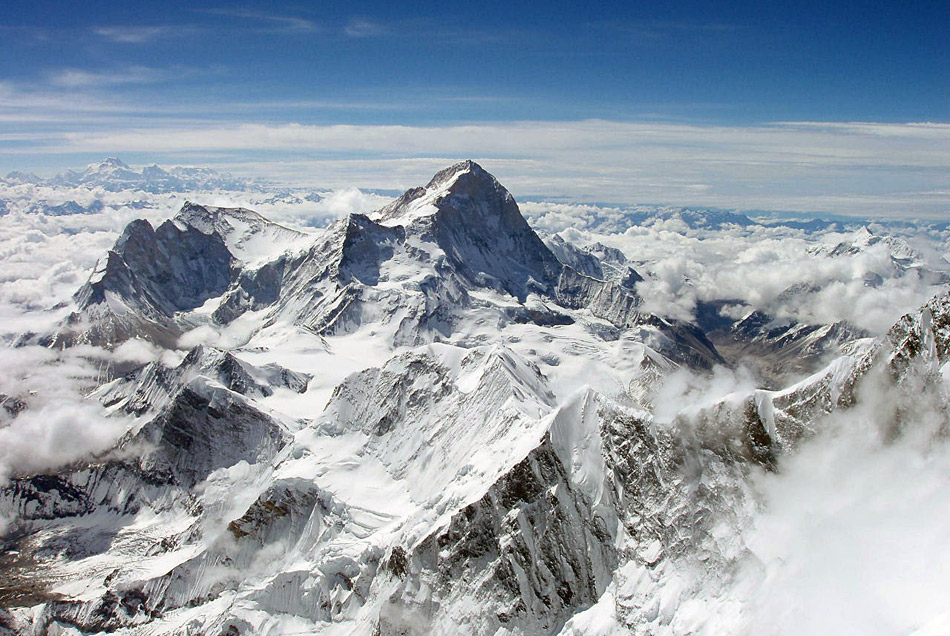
[(113, 174), (424, 420)]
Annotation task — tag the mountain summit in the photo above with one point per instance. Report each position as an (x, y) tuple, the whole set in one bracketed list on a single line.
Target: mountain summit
[(477, 224), (465, 178)]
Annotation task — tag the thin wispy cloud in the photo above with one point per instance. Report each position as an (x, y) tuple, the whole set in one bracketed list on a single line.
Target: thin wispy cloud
[(831, 145), (80, 78), (438, 30), (143, 34), (670, 26), (429, 100), (281, 22), (18, 104), (656, 31), (365, 28), (32, 34)]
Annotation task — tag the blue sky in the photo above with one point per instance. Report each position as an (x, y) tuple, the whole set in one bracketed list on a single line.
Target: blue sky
[(78, 80)]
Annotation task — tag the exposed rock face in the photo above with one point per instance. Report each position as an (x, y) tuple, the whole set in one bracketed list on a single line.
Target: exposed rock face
[(166, 270), (152, 386), (205, 429), (478, 226), (596, 261), (531, 548), (197, 430), (778, 349), (153, 277), (254, 289), (149, 276), (911, 356)]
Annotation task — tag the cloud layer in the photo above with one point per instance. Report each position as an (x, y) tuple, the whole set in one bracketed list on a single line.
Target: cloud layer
[(786, 272), (849, 168)]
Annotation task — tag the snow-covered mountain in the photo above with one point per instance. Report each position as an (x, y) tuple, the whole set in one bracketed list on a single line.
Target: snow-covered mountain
[(424, 420), (900, 258), (440, 262), (114, 175)]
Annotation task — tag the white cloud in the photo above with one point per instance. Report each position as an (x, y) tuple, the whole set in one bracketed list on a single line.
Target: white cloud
[(76, 78), (853, 535), (129, 34), (847, 168), (363, 28), (756, 266), (783, 144), (59, 426), (137, 351), (847, 535), (277, 22)]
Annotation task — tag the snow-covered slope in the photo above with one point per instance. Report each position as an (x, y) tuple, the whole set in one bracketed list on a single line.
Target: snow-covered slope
[(443, 492)]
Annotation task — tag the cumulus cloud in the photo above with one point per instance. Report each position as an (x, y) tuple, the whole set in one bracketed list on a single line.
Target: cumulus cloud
[(57, 425), (699, 391), (137, 351), (853, 534), (46, 420), (854, 539)]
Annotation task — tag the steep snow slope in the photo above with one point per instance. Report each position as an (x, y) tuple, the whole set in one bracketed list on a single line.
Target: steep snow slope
[(889, 399)]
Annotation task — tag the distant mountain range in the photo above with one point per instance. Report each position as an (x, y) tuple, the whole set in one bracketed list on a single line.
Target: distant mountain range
[(115, 175)]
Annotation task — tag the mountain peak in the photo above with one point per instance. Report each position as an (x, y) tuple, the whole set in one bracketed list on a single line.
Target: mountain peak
[(18, 177), (864, 236), (249, 236), (465, 179), (447, 176), (206, 217), (477, 224), (107, 164)]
